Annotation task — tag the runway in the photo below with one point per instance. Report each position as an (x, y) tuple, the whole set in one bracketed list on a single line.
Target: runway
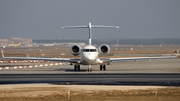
[(156, 72), (105, 79)]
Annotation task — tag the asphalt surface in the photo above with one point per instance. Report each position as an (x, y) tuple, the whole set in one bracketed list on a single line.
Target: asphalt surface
[(156, 72)]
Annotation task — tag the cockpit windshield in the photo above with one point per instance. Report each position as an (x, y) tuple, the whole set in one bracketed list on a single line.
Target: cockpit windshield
[(89, 50)]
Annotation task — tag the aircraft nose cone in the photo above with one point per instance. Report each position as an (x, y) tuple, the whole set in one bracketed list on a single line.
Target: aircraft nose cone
[(89, 57)]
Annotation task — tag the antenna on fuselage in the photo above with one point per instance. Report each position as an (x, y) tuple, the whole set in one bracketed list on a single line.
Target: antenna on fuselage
[(90, 29)]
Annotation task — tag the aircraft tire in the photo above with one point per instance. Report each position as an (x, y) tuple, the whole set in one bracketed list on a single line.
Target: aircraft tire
[(89, 70), (75, 67), (101, 67), (104, 67), (78, 66)]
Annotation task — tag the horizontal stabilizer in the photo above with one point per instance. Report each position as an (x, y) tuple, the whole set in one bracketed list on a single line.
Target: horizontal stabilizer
[(100, 26), (90, 26), (85, 26)]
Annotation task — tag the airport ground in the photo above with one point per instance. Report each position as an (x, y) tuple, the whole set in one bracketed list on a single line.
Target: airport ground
[(140, 80), (46, 92), (166, 71)]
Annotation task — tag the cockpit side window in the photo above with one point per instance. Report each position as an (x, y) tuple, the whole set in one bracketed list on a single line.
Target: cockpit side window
[(85, 50), (92, 50)]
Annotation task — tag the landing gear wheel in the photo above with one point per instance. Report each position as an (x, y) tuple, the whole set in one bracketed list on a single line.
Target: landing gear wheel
[(89, 70), (104, 67), (76, 67), (101, 67)]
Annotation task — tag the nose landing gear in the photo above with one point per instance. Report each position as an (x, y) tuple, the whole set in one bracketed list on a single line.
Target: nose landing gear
[(89, 68)]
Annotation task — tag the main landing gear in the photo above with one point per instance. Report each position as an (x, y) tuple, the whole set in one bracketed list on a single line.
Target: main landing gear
[(103, 67), (76, 67)]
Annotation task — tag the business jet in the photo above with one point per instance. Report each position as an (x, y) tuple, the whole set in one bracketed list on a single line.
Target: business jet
[(89, 53)]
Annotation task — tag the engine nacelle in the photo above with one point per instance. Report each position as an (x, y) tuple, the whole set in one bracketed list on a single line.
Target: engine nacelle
[(75, 50), (104, 49)]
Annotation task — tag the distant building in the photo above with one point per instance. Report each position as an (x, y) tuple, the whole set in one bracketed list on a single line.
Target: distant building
[(16, 42)]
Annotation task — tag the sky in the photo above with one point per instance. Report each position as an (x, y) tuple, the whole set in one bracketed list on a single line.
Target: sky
[(43, 19)]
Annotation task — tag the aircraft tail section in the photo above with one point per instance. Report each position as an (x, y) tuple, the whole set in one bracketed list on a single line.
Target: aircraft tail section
[(89, 26)]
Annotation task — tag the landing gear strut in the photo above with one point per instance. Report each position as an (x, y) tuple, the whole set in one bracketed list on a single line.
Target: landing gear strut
[(76, 67), (103, 67), (89, 69)]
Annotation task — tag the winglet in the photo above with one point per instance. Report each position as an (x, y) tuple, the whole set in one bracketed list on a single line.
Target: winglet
[(176, 52), (2, 53)]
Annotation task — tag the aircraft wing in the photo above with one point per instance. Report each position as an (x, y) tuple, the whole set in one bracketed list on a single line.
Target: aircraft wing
[(38, 58), (140, 58), (71, 60), (108, 60)]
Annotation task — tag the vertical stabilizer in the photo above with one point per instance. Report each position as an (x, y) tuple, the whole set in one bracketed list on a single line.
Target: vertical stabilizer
[(90, 34)]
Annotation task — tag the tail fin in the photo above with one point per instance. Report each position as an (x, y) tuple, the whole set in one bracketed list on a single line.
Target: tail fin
[(2, 53), (90, 27)]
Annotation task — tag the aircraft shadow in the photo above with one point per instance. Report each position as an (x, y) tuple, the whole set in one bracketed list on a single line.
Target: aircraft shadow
[(70, 70)]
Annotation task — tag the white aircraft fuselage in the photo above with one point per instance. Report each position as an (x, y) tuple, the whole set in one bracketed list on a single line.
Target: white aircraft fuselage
[(90, 55)]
